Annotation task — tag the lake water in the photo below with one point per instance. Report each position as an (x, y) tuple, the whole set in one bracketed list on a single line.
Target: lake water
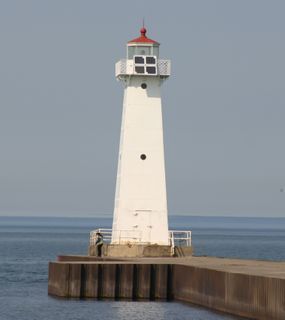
[(28, 244)]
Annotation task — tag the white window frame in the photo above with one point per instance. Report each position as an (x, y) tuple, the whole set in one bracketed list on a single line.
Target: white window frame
[(145, 65)]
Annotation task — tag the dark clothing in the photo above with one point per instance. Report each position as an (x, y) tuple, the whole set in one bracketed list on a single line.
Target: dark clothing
[(99, 244), (99, 250)]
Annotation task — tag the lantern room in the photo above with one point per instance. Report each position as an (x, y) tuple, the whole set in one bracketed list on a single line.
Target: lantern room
[(144, 53), (142, 59), (142, 46)]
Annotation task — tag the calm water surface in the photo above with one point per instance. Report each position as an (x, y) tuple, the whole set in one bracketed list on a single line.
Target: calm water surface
[(27, 244)]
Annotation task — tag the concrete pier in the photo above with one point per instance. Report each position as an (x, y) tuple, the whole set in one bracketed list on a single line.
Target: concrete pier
[(253, 289), (140, 251)]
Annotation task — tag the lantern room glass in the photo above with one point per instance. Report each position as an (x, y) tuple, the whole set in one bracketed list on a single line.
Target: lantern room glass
[(142, 51)]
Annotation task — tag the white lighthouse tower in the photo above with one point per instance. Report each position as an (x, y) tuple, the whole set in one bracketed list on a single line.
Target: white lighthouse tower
[(140, 222), (140, 213)]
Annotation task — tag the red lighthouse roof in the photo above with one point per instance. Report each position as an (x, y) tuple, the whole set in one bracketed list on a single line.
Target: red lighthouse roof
[(143, 38)]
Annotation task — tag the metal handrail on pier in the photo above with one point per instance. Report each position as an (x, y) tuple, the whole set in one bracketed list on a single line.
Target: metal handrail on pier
[(181, 238)]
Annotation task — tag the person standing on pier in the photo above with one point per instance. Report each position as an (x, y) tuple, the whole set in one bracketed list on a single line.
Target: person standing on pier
[(99, 243)]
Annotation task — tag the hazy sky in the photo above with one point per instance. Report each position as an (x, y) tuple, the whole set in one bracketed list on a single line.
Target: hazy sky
[(223, 106)]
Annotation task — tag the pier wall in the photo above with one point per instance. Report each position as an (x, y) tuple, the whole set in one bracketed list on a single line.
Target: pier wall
[(115, 281), (256, 297), (248, 295)]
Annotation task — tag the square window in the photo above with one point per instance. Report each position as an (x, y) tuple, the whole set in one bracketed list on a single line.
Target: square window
[(151, 70), (150, 60), (139, 69), (139, 60)]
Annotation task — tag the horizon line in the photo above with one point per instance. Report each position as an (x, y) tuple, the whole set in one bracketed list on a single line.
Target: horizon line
[(111, 216)]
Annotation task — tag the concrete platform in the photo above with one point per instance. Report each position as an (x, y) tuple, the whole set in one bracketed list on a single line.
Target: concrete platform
[(140, 251), (249, 288), (132, 250)]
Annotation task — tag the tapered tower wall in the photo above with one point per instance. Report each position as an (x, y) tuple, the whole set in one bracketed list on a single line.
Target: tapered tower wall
[(140, 213)]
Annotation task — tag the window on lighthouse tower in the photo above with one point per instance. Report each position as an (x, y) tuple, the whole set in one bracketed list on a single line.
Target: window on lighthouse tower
[(145, 65)]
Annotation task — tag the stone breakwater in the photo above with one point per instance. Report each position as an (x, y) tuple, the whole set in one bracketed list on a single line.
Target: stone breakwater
[(253, 289)]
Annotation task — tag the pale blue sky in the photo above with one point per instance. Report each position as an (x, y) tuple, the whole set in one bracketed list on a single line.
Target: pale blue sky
[(223, 107)]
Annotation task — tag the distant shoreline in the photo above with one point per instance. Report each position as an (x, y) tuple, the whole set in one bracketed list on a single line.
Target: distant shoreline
[(110, 216)]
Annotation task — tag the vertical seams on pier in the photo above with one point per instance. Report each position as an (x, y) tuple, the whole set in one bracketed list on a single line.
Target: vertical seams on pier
[(115, 281), (169, 283), (83, 281), (135, 283), (118, 282), (248, 295)]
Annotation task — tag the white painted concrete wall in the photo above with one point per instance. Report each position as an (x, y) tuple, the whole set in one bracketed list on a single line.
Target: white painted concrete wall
[(140, 213)]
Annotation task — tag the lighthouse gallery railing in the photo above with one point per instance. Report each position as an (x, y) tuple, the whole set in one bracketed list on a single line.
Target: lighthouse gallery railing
[(175, 237), (125, 67)]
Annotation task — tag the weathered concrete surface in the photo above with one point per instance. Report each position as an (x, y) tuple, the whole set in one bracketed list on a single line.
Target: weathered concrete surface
[(183, 251), (255, 267), (109, 280), (257, 297), (254, 289), (73, 258), (132, 250), (125, 274), (59, 278)]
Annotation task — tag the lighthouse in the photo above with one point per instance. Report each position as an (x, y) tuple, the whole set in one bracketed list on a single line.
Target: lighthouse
[(140, 220), (140, 206)]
